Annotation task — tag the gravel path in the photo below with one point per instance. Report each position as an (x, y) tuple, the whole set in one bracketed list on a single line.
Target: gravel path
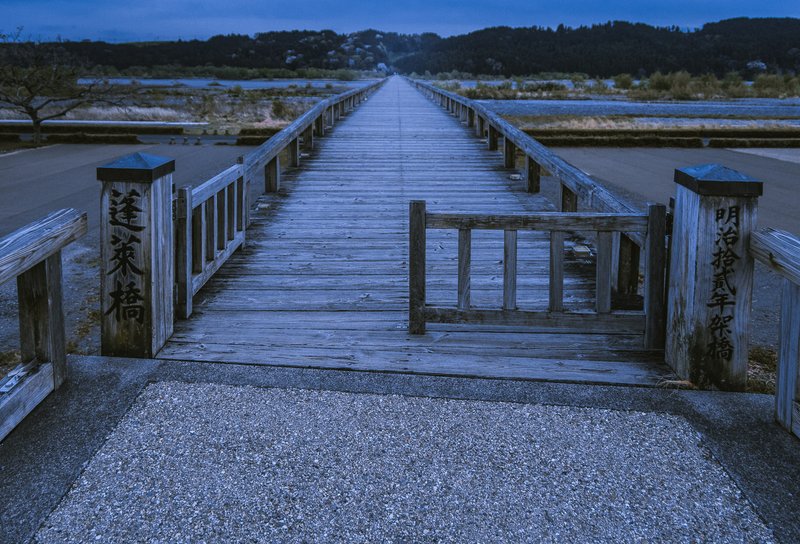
[(206, 463)]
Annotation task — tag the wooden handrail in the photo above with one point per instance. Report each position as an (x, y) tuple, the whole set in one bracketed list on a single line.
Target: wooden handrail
[(32, 255), (780, 251), (595, 195), (270, 149), (25, 248)]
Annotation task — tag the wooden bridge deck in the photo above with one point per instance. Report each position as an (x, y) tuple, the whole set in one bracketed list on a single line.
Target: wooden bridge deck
[(323, 280)]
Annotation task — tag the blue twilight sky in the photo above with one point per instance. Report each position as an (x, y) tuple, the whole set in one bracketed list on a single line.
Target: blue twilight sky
[(128, 20)]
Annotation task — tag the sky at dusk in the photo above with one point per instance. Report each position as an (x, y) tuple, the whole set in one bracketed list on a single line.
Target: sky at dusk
[(115, 20)]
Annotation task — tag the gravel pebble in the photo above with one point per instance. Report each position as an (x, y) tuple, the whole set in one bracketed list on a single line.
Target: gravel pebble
[(207, 463)]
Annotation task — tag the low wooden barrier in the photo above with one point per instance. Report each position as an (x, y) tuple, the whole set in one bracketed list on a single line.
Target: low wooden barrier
[(210, 224), (32, 255), (575, 187), (650, 226), (780, 251)]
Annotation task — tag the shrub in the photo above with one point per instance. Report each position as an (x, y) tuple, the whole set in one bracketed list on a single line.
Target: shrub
[(623, 81)]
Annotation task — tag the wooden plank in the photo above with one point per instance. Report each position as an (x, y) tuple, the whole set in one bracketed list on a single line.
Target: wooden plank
[(24, 397), (510, 270), (416, 267), (787, 380), (556, 300), (540, 221), (655, 271), (464, 264), (616, 322), (33, 243), (603, 272), (210, 207)]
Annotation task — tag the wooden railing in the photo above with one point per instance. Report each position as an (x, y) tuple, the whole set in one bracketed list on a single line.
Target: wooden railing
[(650, 226), (210, 224), (212, 218), (32, 255), (780, 251), (575, 187), (314, 122)]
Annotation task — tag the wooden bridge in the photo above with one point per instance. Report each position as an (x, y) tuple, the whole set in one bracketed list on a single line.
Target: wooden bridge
[(323, 280), (401, 237)]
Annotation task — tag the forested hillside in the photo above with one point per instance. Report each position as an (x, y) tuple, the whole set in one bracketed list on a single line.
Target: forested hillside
[(743, 45)]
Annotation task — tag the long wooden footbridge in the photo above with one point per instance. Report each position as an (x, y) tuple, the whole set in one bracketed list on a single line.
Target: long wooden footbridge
[(397, 234)]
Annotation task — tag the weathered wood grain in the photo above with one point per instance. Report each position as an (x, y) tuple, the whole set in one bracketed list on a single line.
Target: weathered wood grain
[(25, 247)]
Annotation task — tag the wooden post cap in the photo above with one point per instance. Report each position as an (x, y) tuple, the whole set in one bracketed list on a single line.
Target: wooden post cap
[(718, 180), (137, 167)]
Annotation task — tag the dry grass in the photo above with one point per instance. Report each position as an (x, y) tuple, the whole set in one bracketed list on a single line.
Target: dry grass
[(8, 360), (627, 123), (762, 369), (129, 113)]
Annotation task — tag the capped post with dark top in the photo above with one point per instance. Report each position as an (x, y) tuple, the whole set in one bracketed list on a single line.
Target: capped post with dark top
[(137, 255), (711, 275)]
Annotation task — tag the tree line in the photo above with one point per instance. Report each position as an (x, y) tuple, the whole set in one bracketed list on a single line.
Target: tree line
[(744, 45)]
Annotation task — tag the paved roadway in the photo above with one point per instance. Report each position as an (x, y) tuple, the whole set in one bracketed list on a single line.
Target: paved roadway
[(649, 172), (38, 181)]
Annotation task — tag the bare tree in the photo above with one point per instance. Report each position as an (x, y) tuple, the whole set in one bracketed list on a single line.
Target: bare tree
[(41, 80)]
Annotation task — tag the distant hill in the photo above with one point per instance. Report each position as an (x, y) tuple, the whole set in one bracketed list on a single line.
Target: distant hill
[(598, 50)]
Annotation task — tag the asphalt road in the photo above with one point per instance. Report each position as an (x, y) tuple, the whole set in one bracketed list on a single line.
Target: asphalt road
[(649, 173), (35, 182)]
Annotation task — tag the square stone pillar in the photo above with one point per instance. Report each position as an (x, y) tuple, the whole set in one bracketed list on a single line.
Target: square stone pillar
[(137, 255), (711, 276)]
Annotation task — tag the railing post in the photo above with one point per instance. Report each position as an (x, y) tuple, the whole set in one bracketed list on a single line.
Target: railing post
[(509, 153), (567, 199), (416, 267), (272, 175), (711, 276), (492, 141), (41, 317), (533, 175), (655, 270), (479, 127), (470, 117), (137, 269), (183, 252), (787, 382), (308, 138)]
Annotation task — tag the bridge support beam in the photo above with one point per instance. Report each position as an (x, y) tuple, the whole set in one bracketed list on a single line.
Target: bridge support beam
[(711, 276), (137, 269)]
